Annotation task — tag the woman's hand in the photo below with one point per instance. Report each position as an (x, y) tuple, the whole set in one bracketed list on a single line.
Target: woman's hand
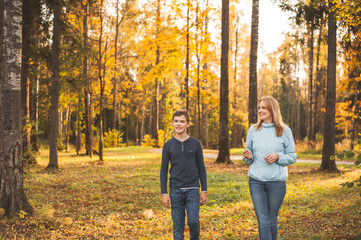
[(247, 154), (271, 158)]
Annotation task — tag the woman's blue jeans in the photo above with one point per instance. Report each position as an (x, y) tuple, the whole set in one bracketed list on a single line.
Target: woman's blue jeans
[(267, 198), (185, 200)]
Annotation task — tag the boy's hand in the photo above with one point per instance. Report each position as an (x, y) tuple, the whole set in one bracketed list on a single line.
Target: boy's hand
[(203, 198), (166, 201)]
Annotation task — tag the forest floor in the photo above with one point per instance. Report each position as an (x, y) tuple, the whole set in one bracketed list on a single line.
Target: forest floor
[(236, 155), (120, 199)]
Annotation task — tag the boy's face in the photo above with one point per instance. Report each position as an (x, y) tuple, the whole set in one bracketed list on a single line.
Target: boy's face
[(180, 124)]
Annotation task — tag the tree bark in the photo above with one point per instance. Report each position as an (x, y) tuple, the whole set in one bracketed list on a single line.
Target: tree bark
[(224, 151), (235, 132), (126, 133), (205, 137), (35, 111), (186, 91), (54, 116), (149, 120), (205, 105), (317, 80), (252, 102), (156, 94), (115, 78), (142, 119), (102, 83), (12, 196), (78, 132), (329, 131), (87, 82), (67, 127), (61, 123), (25, 83), (353, 136), (198, 55), (136, 135), (310, 83), (298, 110)]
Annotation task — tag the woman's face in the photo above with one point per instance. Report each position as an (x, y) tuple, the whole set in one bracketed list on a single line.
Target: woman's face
[(264, 114)]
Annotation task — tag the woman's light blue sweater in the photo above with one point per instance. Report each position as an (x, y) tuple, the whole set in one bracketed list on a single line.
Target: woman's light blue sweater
[(265, 141)]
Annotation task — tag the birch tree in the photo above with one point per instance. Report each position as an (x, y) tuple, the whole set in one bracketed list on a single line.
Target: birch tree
[(12, 196)]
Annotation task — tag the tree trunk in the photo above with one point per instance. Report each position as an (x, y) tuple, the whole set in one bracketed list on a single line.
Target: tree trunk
[(142, 119), (120, 118), (329, 131), (67, 129), (205, 105), (198, 52), (25, 83), (102, 83), (186, 93), (55, 86), (136, 135), (235, 132), (61, 123), (205, 137), (353, 137), (126, 134), (149, 119), (35, 111), (78, 132), (156, 94), (224, 152), (317, 80), (87, 81), (298, 110), (115, 78), (12, 196), (252, 102), (310, 83)]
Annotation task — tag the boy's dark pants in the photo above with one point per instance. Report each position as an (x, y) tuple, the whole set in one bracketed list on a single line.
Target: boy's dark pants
[(185, 200)]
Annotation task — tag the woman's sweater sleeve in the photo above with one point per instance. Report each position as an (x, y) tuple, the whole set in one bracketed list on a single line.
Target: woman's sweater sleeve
[(288, 156), (249, 145)]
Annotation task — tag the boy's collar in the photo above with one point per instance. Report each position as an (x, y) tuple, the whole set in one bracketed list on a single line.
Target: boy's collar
[(182, 139)]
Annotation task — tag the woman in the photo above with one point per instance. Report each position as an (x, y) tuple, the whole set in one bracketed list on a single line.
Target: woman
[(270, 148)]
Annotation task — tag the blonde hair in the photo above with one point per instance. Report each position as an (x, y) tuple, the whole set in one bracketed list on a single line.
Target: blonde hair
[(274, 108)]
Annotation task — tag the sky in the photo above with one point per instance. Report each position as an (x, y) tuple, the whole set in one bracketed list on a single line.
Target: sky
[(273, 22)]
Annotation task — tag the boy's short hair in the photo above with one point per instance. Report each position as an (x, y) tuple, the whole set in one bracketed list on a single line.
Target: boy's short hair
[(181, 112)]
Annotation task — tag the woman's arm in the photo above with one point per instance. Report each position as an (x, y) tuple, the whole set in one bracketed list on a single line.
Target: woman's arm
[(289, 156), (248, 154)]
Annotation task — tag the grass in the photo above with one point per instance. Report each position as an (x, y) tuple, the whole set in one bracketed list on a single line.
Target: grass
[(120, 200)]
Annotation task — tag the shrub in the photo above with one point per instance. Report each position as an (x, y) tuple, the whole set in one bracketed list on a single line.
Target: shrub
[(163, 137), (148, 141), (112, 138)]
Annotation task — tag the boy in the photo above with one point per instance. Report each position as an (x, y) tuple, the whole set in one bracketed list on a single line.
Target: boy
[(187, 168)]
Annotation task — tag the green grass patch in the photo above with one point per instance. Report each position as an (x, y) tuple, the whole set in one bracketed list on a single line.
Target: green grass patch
[(237, 151), (311, 155), (120, 199)]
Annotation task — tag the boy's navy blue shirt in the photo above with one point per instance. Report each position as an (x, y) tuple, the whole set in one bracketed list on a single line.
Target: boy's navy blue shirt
[(187, 165)]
